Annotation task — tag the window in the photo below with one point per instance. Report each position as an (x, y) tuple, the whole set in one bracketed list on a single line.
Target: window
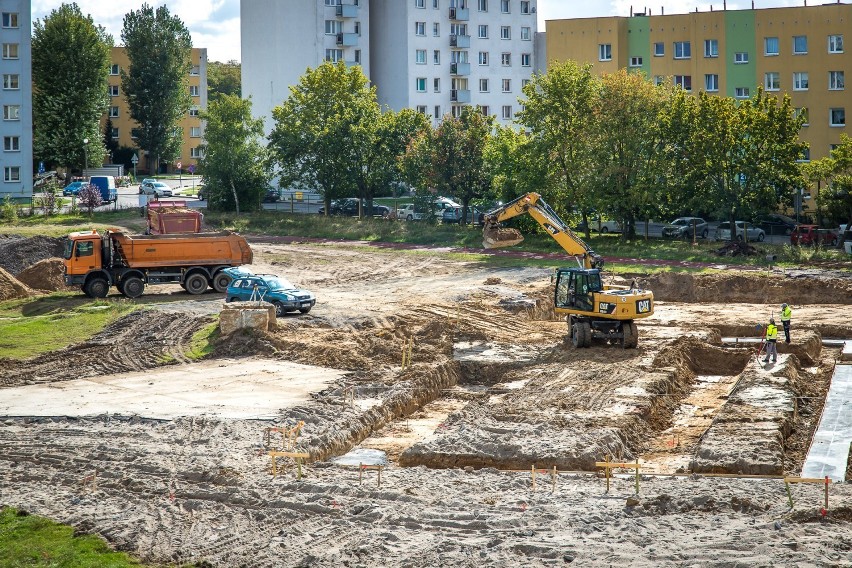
[(113, 90), (659, 49), (741, 92), (195, 132), (526, 60), (659, 80), (837, 117), (195, 70), (800, 81), (436, 57), (506, 59), (334, 55), (483, 5), (525, 7), (770, 46), (803, 112), (835, 44), (741, 57), (114, 69), (636, 61), (711, 48), (456, 111), (10, 19), (332, 2), (483, 31), (357, 28), (194, 111), (114, 133), (419, 3), (358, 56), (420, 28), (421, 109), (11, 82), (11, 112), (605, 52), (507, 112), (772, 81), (524, 83), (836, 81), (436, 85), (504, 6), (436, 29), (505, 32), (333, 27), (682, 50), (437, 111), (134, 133), (12, 173), (483, 58), (683, 81), (420, 56), (11, 144), (806, 155), (436, 4), (507, 85), (193, 90), (800, 45), (195, 153), (483, 85), (10, 51), (113, 112), (711, 83), (420, 84), (485, 110)]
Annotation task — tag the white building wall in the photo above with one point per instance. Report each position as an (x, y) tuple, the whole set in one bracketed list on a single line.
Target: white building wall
[(16, 153)]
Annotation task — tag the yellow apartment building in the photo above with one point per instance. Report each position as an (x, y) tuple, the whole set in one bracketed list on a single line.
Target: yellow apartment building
[(193, 129), (799, 51)]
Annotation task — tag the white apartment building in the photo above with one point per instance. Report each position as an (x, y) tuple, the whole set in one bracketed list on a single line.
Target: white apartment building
[(437, 56), (16, 126), (281, 39)]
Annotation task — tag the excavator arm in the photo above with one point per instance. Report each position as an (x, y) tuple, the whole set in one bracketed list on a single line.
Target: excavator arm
[(493, 236)]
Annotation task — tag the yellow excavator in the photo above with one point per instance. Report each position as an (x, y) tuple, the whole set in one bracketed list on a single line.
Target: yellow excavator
[(592, 309)]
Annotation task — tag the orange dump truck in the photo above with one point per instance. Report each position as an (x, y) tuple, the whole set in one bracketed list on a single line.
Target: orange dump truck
[(167, 217), (96, 261)]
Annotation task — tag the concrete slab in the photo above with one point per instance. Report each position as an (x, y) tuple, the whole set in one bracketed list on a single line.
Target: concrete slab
[(829, 452), (224, 388), (846, 353)]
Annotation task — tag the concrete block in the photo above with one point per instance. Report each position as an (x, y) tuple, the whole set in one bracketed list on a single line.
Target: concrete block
[(243, 315), (271, 323)]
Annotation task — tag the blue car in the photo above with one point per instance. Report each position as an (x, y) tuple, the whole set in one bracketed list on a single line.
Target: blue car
[(276, 290), (73, 188)]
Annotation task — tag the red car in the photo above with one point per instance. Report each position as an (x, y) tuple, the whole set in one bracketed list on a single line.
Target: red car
[(812, 234)]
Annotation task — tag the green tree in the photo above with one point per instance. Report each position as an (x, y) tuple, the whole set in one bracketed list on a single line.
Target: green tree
[(840, 193), (235, 165), (322, 130), (818, 174), (223, 79), (156, 86), (110, 143), (70, 67)]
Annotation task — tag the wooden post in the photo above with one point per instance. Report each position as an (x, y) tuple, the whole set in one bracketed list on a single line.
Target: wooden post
[(789, 493), (637, 476), (532, 472), (554, 479), (380, 477), (826, 493), (360, 473), (607, 473)]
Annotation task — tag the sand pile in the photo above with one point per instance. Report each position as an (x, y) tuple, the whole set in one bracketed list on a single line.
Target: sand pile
[(11, 287), (47, 274), (18, 253)]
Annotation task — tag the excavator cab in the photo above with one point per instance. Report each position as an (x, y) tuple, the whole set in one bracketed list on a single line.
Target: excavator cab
[(575, 288)]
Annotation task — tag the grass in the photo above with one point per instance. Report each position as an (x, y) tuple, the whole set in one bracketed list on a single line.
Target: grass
[(27, 540), (203, 341), (37, 325), (61, 224)]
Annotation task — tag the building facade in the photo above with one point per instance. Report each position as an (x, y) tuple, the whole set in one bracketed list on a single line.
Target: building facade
[(280, 40), (123, 125), (16, 96), (797, 51)]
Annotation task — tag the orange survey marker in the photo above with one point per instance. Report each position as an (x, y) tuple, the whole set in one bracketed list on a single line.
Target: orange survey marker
[(608, 465), (298, 456), (825, 480), (289, 435)]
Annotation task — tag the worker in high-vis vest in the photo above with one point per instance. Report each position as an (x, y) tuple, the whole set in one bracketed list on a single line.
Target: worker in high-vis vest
[(786, 314), (771, 339)]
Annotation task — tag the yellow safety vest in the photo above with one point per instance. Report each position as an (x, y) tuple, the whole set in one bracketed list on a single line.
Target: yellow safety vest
[(786, 313), (771, 332)]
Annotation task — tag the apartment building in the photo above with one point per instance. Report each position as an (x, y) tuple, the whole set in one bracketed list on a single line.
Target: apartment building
[(16, 127), (280, 40), (798, 51), (437, 56), (123, 126)]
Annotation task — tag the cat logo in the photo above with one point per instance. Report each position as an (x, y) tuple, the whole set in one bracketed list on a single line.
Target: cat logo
[(643, 306), (606, 308)]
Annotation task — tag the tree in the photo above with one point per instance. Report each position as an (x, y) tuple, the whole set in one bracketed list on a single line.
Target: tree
[(818, 174), (322, 130), (223, 79), (90, 198), (156, 86), (70, 67), (110, 143), (841, 184), (235, 164)]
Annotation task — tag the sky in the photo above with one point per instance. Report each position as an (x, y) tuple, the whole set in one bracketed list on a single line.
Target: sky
[(215, 24)]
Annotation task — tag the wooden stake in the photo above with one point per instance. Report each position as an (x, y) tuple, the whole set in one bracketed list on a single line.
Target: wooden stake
[(789, 493), (554, 479), (826, 492), (532, 472), (360, 473), (607, 473), (637, 476)]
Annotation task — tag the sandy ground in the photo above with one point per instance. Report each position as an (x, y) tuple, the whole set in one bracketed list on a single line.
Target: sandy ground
[(491, 389)]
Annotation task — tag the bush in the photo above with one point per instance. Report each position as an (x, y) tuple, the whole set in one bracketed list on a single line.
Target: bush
[(90, 198), (48, 202), (8, 211)]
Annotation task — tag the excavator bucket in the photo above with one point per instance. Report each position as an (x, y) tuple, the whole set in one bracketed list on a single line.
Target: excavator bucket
[(494, 236)]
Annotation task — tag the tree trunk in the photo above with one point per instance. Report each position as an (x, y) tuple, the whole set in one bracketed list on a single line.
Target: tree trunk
[(236, 199), (326, 199), (588, 234), (733, 224)]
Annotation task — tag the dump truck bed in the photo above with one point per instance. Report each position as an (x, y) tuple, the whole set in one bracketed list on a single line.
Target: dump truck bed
[(210, 249), (173, 217)]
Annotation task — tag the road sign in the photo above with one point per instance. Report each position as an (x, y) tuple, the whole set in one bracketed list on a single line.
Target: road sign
[(135, 159), (191, 168), (178, 165), (41, 167)]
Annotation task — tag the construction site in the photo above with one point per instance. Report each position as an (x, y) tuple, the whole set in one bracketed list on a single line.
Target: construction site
[(432, 411)]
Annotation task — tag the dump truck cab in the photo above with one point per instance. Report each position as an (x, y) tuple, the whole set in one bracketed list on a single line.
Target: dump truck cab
[(83, 253)]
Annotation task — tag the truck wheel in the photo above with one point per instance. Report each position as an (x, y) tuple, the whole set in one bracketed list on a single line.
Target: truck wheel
[(304, 310), (221, 282), (581, 334), (631, 335), (279, 309), (96, 288), (195, 284), (604, 230), (410, 218), (133, 287)]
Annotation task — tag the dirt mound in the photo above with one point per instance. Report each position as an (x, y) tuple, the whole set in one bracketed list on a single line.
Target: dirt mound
[(47, 274), (11, 287), (18, 253)]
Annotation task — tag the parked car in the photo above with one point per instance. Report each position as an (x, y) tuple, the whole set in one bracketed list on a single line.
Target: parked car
[(604, 226), (272, 196), (74, 187), (454, 215), (409, 213), (812, 235), (106, 185), (278, 291), (146, 181), (777, 224), (349, 207), (201, 194), (683, 228), (723, 231), (157, 188)]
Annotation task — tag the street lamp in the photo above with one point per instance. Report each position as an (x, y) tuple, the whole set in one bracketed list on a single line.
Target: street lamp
[(86, 153)]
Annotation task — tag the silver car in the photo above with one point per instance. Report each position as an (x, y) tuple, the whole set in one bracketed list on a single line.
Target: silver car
[(723, 232), (157, 188), (682, 227)]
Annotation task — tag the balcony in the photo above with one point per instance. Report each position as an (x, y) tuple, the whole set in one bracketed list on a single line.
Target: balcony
[(460, 14), (347, 11), (460, 69), (347, 40), (460, 41), (460, 95)]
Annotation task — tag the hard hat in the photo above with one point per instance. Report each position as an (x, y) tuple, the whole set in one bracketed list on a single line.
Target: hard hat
[(783, 305), (772, 320)]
